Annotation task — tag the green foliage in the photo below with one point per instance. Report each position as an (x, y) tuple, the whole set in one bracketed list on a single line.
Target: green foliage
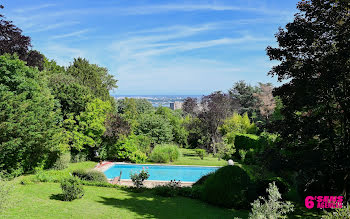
[(156, 127), (244, 94), (132, 148), (91, 175), (62, 162), (202, 179), (339, 213), (271, 208), (94, 77), (227, 187), (142, 106), (177, 123), (171, 189), (246, 141), (238, 124), (71, 189), (72, 96), (138, 178), (165, 153), (86, 129), (28, 118), (315, 128), (200, 153), (242, 154)]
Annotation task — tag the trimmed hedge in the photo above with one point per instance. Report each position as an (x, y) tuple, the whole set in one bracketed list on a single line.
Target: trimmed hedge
[(91, 175), (227, 187), (246, 141)]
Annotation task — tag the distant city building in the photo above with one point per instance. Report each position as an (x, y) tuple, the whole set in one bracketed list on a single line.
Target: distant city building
[(176, 105)]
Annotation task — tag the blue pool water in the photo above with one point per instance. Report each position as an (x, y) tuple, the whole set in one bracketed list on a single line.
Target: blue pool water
[(158, 172)]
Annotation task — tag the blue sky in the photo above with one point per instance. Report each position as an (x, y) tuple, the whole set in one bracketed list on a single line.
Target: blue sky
[(159, 47)]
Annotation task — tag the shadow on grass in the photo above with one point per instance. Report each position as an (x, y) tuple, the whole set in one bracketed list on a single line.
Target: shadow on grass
[(58, 197), (149, 206)]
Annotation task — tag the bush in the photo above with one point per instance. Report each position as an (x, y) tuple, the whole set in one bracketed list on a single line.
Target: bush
[(246, 141), (272, 207), (165, 153), (132, 148), (62, 162), (138, 178), (227, 187), (171, 189), (338, 213), (261, 186), (200, 153), (195, 192), (91, 175), (71, 189), (202, 179)]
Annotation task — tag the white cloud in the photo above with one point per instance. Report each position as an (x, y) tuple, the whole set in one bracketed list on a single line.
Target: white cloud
[(34, 8), (72, 34)]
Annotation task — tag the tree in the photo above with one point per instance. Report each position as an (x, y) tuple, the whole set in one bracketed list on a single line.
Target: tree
[(156, 127), (266, 101), (176, 121), (12, 41), (116, 127), (216, 107), (314, 53), (85, 130), (243, 99), (190, 106), (94, 77), (29, 129)]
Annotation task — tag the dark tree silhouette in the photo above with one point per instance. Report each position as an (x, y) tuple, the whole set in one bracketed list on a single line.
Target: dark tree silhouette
[(13, 41), (314, 51)]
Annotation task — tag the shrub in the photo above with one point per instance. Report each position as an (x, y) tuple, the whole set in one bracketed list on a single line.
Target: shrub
[(79, 157), (200, 153), (165, 153), (62, 161), (132, 148), (242, 154), (338, 213), (202, 179), (71, 189), (272, 207), (246, 141), (227, 187), (91, 175), (171, 189), (261, 186), (138, 178), (195, 192)]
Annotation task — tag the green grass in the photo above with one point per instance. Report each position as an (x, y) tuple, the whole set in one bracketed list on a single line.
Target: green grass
[(40, 201), (57, 175), (190, 157)]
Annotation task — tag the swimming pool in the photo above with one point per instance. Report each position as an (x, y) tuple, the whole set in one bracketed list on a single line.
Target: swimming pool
[(161, 172)]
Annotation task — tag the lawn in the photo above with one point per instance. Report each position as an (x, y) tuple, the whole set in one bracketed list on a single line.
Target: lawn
[(40, 201)]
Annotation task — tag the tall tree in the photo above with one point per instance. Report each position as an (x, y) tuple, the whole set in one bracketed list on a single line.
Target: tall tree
[(29, 129), (266, 102), (314, 54), (13, 41), (216, 107), (190, 106), (94, 77), (243, 98)]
